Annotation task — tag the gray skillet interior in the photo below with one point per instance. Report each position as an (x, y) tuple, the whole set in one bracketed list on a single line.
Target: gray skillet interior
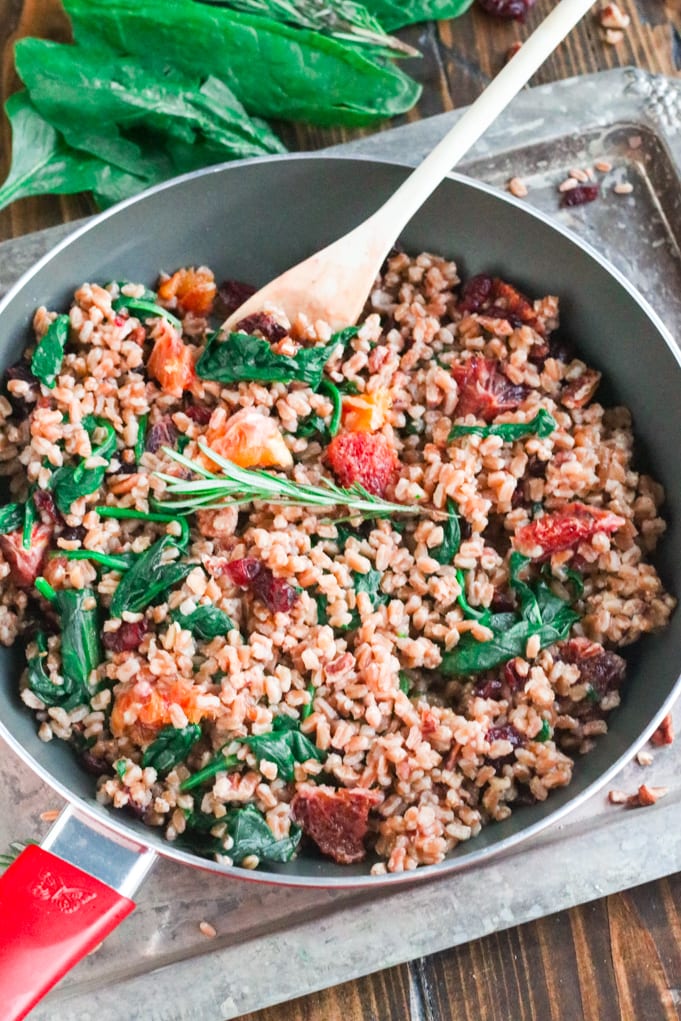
[(252, 220)]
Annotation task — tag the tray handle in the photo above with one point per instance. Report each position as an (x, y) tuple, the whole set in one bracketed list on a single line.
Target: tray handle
[(54, 910)]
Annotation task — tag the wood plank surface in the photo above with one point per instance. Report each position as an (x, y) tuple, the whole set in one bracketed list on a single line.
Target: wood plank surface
[(618, 959)]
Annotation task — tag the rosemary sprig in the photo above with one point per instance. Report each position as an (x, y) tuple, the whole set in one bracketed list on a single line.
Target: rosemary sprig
[(236, 486)]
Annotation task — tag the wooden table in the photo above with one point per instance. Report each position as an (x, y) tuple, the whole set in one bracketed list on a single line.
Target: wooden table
[(617, 958)]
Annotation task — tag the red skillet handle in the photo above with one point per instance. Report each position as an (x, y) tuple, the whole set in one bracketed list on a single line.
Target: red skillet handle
[(51, 915)]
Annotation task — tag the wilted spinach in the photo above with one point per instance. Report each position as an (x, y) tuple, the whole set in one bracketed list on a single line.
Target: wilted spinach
[(542, 425), (204, 622), (81, 651), (449, 547), (242, 357), (71, 482), (148, 577), (252, 836), (284, 745), (171, 747), (67, 695), (542, 613), (11, 517), (143, 309), (49, 354)]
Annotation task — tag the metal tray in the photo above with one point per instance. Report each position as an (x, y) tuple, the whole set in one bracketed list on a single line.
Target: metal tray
[(275, 943)]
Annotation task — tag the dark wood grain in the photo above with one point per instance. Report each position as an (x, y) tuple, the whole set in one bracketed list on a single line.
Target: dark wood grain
[(618, 959)]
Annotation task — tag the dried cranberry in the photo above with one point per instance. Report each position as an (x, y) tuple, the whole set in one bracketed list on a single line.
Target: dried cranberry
[(484, 390), (232, 294), (580, 195), (602, 671), (244, 571), (162, 434), (502, 602), (476, 293), (560, 349), (505, 732), (75, 534), (365, 458), (20, 370), (198, 413), (536, 468), (127, 638), (125, 468), (489, 689), (276, 593), (516, 9), (94, 765), (44, 501), (249, 572), (264, 323), (512, 677)]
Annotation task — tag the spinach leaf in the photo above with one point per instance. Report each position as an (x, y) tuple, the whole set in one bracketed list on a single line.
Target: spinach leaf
[(143, 309), (243, 357), (11, 518), (49, 353), (252, 836), (314, 426), (308, 709), (577, 580), (71, 482), (30, 518), (140, 442), (81, 651), (470, 612), (42, 162), (371, 584), (219, 764), (546, 732), (284, 745), (542, 613), (394, 14), (406, 683), (275, 70), (322, 609), (542, 425), (347, 21), (204, 622), (68, 695), (130, 111), (148, 577), (171, 747), (449, 547)]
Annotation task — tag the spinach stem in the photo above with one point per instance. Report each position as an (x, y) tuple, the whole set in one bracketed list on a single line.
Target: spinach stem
[(114, 563), (334, 393), (43, 586), (219, 764), (141, 437), (29, 519)]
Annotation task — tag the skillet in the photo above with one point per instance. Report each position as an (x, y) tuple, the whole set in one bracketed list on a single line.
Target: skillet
[(250, 221)]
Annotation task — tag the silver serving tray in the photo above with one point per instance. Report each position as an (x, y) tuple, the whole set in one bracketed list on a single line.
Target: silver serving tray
[(275, 943)]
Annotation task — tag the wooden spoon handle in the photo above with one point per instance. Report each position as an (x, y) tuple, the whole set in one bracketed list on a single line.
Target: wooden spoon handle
[(394, 214)]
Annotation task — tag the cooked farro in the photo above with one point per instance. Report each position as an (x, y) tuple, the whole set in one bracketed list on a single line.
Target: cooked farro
[(381, 684)]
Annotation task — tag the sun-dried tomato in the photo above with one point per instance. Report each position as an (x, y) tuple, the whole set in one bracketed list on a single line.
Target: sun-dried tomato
[(25, 564), (484, 390), (564, 529), (498, 299), (336, 819), (365, 458)]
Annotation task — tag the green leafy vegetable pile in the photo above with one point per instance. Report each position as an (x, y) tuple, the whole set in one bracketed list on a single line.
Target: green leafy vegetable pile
[(150, 90)]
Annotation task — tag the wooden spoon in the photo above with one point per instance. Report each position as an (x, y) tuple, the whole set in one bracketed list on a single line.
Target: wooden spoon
[(334, 284)]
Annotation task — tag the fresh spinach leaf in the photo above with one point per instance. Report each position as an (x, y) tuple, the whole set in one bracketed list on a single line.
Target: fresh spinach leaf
[(394, 14), (449, 547), (171, 747), (81, 651), (67, 695), (70, 482), (275, 70), (284, 745), (204, 622), (143, 309), (242, 357), (49, 354), (11, 518), (148, 577), (252, 836), (42, 162), (542, 425)]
